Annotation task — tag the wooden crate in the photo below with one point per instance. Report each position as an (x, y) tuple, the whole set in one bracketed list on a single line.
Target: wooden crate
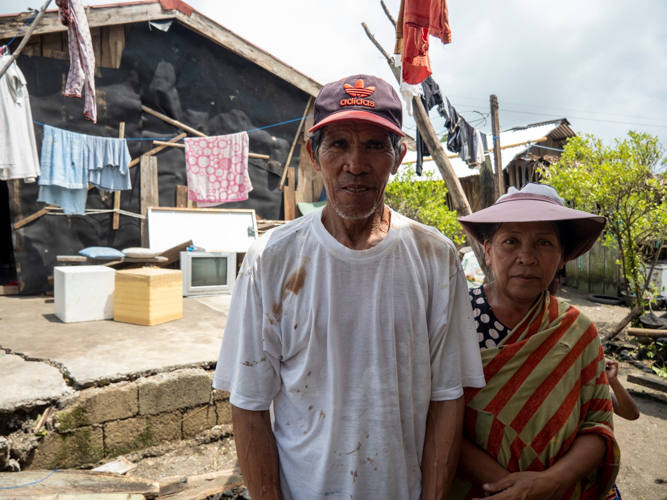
[(148, 296)]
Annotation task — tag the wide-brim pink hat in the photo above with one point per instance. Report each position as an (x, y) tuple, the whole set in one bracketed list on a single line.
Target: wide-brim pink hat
[(539, 203)]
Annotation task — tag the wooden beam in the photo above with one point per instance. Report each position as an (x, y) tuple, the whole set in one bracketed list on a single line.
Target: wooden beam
[(116, 195), (26, 37), (656, 385), (78, 259), (637, 311), (171, 121), (149, 193), (156, 150), (9, 290), (35, 216), (174, 253), (296, 139), (97, 16), (647, 333), (182, 146), (63, 483), (497, 155), (289, 195), (181, 196)]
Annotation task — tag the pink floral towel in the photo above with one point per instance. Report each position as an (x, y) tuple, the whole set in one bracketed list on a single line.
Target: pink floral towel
[(217, 169)]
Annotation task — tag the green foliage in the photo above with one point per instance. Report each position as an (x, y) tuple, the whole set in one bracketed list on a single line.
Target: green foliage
[(622, 183), (424, 201)]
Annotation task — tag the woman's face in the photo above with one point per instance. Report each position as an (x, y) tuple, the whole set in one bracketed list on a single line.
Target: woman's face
[(524, 257)]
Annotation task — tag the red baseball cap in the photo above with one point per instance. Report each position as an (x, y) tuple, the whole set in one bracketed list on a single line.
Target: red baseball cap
[(359, 97)]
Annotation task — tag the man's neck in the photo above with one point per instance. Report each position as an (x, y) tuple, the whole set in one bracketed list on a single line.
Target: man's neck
[(360, 234)]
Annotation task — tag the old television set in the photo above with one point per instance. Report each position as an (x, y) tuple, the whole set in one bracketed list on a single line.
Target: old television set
[(208, 273)]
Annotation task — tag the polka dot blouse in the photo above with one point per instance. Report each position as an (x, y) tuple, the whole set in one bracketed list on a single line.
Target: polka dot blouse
[(490, 331)]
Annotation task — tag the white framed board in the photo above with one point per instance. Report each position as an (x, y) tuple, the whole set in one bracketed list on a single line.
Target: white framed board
[(213, 229)]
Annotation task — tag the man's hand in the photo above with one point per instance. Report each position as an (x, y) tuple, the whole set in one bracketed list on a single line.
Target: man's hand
[(524, 486), (611, 367)]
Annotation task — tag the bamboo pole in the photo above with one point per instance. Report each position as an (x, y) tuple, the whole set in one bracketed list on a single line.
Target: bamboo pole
[(26, 37)]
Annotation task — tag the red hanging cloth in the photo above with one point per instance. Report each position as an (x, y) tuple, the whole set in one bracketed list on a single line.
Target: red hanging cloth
[(418, 19)]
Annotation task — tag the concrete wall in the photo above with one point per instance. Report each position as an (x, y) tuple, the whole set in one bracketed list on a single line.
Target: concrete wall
[(120, 418)]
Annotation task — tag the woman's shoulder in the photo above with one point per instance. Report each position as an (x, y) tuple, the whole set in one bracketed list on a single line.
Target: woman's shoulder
[(579, 323)]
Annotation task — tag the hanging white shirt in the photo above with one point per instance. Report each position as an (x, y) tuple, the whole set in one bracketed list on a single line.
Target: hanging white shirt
[(350, 347), (18, 154)]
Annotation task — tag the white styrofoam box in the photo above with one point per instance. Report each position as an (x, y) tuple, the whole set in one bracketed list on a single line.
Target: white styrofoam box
[(83, 293)]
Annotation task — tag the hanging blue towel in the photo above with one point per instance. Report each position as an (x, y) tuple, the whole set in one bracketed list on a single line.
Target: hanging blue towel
[(108, 163), (64, 178)]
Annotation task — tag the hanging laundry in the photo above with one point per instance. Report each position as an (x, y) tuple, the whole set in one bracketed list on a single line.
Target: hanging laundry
[(64, 179), (407, 91), (416, 19), (432, 95), (477, 155), (457, 138), (422, 152), (18, 154), (217, 169), (82, 57), (108, 163)]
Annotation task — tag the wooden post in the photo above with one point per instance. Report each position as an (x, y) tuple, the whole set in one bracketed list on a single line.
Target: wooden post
[(486, 184), (149, 192), (497, 155), (455, 191), (289, 195), (296, 138), (116, 195), (26, 37), (181, 196)]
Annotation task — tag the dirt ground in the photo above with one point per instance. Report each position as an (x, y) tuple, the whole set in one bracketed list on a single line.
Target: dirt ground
[(643, 442)]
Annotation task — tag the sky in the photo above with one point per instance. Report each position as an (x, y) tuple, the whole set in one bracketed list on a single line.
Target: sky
[(599, 63)]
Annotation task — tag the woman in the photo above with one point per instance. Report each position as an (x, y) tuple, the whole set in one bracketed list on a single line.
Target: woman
[(542, 427)]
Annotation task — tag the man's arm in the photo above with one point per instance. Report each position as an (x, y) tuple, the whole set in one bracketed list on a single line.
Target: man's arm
[(444, 426), (257, 453)]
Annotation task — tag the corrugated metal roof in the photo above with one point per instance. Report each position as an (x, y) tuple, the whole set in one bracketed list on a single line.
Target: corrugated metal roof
[(556, 129)]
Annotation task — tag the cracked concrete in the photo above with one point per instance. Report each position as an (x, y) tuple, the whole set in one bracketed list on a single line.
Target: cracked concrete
[(34, 343), (25, 383)]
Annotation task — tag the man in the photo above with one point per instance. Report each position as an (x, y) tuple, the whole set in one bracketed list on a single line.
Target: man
[(354, 322)]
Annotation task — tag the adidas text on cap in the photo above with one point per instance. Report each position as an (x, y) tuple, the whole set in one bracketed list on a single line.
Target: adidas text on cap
[(360, 97)]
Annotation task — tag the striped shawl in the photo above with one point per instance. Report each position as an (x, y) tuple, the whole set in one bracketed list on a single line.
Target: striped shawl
[(546, 385)]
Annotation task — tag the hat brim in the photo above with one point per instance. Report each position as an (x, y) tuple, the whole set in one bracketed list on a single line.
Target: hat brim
[(585, 228), (357, 115)]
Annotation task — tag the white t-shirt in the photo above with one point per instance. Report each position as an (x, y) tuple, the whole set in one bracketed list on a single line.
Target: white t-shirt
[(18, 154), (350, 347)]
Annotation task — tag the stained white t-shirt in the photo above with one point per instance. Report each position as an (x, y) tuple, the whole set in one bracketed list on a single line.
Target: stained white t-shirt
[(350, 347)]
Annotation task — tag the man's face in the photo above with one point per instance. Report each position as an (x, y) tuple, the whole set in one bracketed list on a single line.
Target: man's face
[(356, 159)]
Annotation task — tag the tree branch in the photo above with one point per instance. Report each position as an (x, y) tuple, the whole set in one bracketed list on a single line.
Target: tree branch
[(386, 11), (389, 59)]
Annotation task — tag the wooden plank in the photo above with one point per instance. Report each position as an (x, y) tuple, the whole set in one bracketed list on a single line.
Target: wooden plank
[(647, 333), (296, 138), (9, 290), (75, 482), (19, 224), (96, 36), (149, 193), (181, 196), (651, 383), (82, 259), (288, 196), (116, 44), (171, 121), (596, 268), (107, 59), (204, 485), (116, 196), (82, 496), (182, 146), (52, 41), (174, 253), (304, 189), (155, 150)]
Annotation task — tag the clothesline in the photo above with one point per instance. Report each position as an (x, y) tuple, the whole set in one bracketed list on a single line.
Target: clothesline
[(95, 211), (170, 138)]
